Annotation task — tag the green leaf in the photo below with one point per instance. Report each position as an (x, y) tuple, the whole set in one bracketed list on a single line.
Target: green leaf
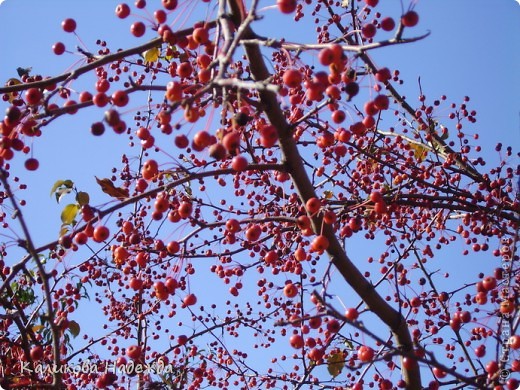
[(335, 363), (82, 198), (74, 328), (69, 213), (26, 296)]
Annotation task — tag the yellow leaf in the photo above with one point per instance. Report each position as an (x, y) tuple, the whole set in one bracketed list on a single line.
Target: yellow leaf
[(109, 188), (328, 194), (69, 213), (152, 55), (335, 363), (419, 151), (37, 328), (74, 328)]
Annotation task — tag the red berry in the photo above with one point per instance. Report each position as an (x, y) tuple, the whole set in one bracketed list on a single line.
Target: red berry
[(85, 96), (370, 108), (36, 352), (181, 141), (489, 283), (133, 352), (316, 354), (358, 128), (333, 325), (217, 151), (296, 341), (253, 233), (239, 163), (169, 4), (292, 78), (97, 128), (313, 205), (439, 374), (101, 233), (68, 25), (120, 98), (409, 363), (33, 96), (122, 10), (268, 136), (102, 85), (338, 116), (381, 102), (514, 342), (190, 300), (365, 354), (376, 196), (171, 283), (138, 29), (202, 139), (161, 292), (368, 30), (410, 19), (135, 284), (388, 24), (319, 244), (290, 290), (58, 48), (185, 209), (150, 169), (160, 16), (352, 314), (352, 88), (31, 164), (231, 141), (286, 6), (173, 247), (492, 367), (480, 351), (200, 35), (326, 56), (184, 70), (101, 100), (81, 238), (383, 75)]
